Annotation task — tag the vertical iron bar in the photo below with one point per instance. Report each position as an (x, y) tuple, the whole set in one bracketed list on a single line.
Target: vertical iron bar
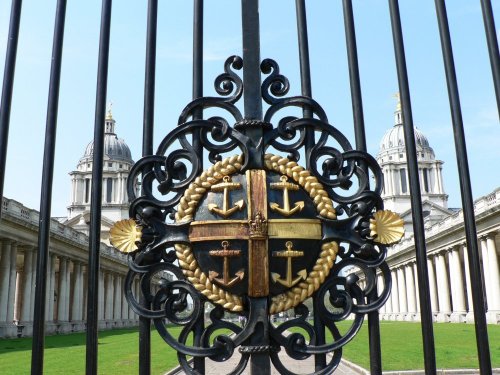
[(259, 362), (150, 79), (359, 131), (96, 192), (416, 203), (198, 362), (198, 52), (46, 192), (251, 59), (319, 330), (306, 90), (147, 149), (305, 69), (352, 57), (466, 191), (491, 38), (8, 85)]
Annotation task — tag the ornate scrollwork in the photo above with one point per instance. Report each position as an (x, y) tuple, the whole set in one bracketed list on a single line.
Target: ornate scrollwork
[(347, 200)]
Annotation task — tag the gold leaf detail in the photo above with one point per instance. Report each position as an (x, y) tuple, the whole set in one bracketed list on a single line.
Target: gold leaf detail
[(299, 175), (124, 234), (386, 227)]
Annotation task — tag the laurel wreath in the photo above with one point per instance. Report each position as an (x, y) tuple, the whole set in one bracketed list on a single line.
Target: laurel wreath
[(213, 175)]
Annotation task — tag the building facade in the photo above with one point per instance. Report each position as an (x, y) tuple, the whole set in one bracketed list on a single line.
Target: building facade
[(447, 260), (67, 266)]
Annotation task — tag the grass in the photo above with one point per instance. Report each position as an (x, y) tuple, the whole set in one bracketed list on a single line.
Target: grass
[(402, 346), (118, 350), (65, 354)]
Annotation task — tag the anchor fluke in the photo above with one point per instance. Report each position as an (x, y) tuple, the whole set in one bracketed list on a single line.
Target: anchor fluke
[(286, 186)]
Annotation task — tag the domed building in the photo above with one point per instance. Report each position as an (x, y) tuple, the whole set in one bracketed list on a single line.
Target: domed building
[(117, 164), (396, 194), (447, 258), (66, 299)]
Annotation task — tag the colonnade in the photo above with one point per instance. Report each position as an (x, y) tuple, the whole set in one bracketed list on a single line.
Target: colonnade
[(449, 284), (66, 296)]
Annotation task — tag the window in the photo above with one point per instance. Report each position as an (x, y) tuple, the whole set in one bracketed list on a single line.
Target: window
[(425, 172), (404, 187), (121, 165), (109, 190), (87, 190), (110, 165)]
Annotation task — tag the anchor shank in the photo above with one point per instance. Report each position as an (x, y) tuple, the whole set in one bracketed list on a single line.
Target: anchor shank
[(286, 199), (225, 273), (289, 270), (225, 201)]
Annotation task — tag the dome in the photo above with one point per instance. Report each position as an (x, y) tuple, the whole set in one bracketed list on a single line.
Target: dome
[(114, 148), (394, 138)]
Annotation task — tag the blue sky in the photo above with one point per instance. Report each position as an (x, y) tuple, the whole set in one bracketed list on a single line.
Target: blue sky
[(330, 82)]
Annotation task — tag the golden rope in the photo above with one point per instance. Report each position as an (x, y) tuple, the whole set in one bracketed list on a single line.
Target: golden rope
[(227, 167)]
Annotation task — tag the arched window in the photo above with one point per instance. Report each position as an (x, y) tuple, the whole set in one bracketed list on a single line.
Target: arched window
[(425, 171), (109, 190), (404, 186), (87, 190)]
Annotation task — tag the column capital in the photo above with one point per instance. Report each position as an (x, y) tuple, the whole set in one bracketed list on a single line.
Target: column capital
[(482, 237), (491, 235)]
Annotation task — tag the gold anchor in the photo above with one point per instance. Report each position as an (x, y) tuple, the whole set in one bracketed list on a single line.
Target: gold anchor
[(226, 186), (286, 186), (226, 254), (289, 254)]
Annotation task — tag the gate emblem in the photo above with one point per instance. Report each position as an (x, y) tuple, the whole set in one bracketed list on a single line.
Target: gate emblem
[(267, 249)]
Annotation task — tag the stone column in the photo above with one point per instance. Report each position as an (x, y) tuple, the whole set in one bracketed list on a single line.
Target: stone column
[(33, 272), (76, 303), (494, 303), (67, 305), (444, 289), (403, 302), (47, 288), (380, 288), (125, 309), (457, 286), (109, 296), (27, 284), (4, 279), (388, 307), (131, 314), (84, 292), (410, 290), (101, 308), (417, 288), (432, 284), (486, 270), (470, 306), (50, 289), (18, 299), (395, 294), (117, 302), (63, 290), (12, 283)]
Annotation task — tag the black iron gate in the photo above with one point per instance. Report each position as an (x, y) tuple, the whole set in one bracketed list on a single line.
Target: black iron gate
[(253, 134)]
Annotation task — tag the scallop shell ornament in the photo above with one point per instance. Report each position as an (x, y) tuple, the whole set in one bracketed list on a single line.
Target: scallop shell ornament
[(386, 227), (124, 234)]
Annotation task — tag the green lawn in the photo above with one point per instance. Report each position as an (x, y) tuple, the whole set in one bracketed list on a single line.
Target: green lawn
[(65, 354), (402, 346), (118, 350)]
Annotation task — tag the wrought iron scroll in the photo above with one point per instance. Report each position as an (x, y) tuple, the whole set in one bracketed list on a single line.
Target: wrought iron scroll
[(345, 174)]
